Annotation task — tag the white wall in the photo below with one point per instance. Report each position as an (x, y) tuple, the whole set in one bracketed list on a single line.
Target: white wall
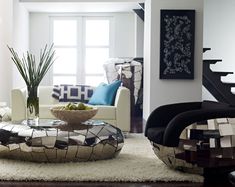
[(124, 45), (139, 36), (124, 32), (140, 1), (206, 95), (13, 32), (159, 92), (147, 59), (219, 29), (6, 17), (124, 40), (39, 36), (20, 38), (39, 31)]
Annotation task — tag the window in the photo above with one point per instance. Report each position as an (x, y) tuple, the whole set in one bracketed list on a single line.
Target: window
[(65, 41), (82, 45)]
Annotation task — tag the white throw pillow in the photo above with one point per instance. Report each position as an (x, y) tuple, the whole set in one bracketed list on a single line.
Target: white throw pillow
[(5, 114)]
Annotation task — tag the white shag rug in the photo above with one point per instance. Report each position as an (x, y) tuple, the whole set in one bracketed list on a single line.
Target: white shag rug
[(136, 163)]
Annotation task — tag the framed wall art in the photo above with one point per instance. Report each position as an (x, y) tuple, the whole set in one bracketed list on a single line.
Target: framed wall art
[(177, 44)]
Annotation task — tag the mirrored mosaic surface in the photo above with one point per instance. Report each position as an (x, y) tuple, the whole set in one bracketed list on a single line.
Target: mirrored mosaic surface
[(209, 145), (58, 142)]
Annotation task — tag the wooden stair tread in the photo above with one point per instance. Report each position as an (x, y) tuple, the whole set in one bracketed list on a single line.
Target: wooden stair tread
[(222, 90), (140, 13), (222, 73), (206, 49), (141, 5), (229, 84), (212, 61)]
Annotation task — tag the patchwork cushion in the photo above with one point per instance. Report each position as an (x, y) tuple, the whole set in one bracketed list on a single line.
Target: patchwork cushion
[(105, 94), (73, 93)]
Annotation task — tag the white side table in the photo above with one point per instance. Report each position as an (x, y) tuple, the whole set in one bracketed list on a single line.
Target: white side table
[(5, 112)]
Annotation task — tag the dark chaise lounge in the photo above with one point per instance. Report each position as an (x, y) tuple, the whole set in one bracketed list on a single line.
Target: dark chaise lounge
[(195, 137)]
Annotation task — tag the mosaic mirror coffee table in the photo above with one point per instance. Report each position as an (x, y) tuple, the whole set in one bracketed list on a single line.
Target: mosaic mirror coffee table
[(54, 141)]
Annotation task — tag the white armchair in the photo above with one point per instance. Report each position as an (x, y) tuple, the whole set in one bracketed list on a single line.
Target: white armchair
[(117, 115)]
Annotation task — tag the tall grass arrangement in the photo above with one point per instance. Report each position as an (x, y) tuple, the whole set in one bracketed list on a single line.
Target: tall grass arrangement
[(33, 73)]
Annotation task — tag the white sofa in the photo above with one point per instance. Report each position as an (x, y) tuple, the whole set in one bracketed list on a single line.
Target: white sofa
[(117, 115)]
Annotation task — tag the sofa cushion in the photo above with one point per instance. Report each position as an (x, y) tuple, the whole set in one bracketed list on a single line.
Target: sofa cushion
[(156, 134), (105, 112), (45, 96), (44, 111), (105, 94)]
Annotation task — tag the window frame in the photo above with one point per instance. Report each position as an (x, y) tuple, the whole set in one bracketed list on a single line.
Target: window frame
[(81, 43)]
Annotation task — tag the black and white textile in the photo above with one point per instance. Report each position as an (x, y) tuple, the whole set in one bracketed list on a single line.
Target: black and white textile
[(72, 93)]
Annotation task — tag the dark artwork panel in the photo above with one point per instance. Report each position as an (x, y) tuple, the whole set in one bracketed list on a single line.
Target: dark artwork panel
[(177, 44)]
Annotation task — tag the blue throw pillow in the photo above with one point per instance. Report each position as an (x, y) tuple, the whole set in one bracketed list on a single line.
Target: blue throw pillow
[(105, 94)]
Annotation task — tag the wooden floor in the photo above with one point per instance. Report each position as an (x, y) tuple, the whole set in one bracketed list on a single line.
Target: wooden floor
[(99, 184), (136, 127)]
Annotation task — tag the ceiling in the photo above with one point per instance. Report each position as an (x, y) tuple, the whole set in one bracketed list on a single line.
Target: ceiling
[(80, 6)]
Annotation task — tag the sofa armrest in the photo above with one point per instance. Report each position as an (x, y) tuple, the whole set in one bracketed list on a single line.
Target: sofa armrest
[(123, 113), (18, 104)]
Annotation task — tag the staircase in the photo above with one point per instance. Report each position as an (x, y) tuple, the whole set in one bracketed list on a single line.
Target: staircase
[(140, 12), (212, 81)]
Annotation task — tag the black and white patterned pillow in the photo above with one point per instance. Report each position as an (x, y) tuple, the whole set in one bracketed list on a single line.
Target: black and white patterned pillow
[(73, 93), (56, 92)]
